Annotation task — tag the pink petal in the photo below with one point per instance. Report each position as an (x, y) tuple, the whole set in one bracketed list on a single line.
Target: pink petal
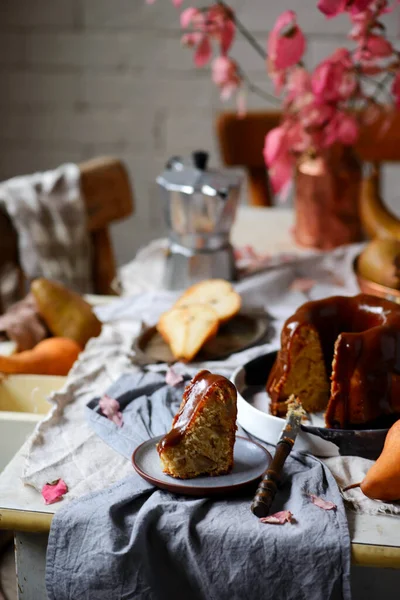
[(203, 52), (286, 42), (396, 89), (325, 504), (275, 142), (172, 377), (241, 104), (280, 176), (191, 39), (54, 491), (378, 46), (279, 518), (111, 409), (177, 3), (331, 8), (187, 16), (227, 36), (302, 284), (359, 6), (348, 130)]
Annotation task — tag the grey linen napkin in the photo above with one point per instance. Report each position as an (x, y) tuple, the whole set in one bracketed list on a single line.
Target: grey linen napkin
[(134, 541)]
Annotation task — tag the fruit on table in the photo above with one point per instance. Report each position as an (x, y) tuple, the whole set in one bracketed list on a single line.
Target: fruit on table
[(382, 482), (65, 312), (376, 219), (52, 356), (217, 293), (380, 262), (187, 328)]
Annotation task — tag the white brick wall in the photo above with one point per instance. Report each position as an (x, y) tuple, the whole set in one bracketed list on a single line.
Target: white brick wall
[(81, 78)]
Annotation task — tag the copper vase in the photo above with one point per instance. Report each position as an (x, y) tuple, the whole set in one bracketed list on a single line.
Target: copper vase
[(327, 191)]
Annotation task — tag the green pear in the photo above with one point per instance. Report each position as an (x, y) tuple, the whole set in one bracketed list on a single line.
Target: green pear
[(65, 312)]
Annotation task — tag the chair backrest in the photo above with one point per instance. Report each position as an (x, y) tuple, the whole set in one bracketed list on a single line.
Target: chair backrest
[(108, 197), (241, 143)]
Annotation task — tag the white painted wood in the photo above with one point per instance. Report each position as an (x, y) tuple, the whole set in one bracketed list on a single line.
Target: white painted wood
[(14, 494), (23, 402), (30, 557)]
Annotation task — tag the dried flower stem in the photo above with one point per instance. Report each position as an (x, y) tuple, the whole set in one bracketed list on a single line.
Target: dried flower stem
[(246, 33), (255, 89)]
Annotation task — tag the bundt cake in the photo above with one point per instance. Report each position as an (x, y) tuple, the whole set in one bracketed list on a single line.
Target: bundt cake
[(203, 431), (354, 342)]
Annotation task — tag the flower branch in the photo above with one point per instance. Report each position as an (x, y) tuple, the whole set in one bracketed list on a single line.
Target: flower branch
[(321, 108), (246, 34)]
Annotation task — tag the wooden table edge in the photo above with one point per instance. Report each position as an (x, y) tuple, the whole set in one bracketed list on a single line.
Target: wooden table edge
[(366, 555), (371, 555), (25, 520)]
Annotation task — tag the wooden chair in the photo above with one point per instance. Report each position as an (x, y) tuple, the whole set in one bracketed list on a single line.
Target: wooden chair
[(241, 143), (108, 197)]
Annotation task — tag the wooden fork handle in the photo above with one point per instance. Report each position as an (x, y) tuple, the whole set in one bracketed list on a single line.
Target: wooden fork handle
[(266, 490)]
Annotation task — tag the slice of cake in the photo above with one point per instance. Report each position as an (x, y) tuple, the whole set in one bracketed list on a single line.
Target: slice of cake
[(186, 329), (203, 431)]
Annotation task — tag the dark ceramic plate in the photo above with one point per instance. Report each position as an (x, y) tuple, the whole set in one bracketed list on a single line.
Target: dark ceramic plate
[(251, 380), (250, 462), (241, 332)]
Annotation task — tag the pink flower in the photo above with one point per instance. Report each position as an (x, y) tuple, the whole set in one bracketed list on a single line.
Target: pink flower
[(332, 8), (396, 89), (343, 128), (215, 23), (225, 75), (371, 54), (54, 491), (176, 3), (377, 46), (314, 116), (189, 16), (298, 84), (278, 77), (203, 52), (286, 42), (334, 79), (278, 158)]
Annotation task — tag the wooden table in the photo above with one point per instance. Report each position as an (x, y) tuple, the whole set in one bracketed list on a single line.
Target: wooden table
[(375, 539)]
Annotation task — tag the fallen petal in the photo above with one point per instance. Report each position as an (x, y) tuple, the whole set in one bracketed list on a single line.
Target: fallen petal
[(325, 504), (279, 518), (172, 377), (302, 284), (54, 491), (110, 408)]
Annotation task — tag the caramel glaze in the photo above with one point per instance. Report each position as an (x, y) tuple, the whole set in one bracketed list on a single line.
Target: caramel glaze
[(195, 396), (361, 335)]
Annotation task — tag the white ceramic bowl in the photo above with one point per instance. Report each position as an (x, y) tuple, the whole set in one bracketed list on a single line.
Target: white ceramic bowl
[(254, 418)]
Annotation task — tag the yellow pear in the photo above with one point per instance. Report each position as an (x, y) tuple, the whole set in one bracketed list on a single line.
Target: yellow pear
[(382, 482), (65, 312)]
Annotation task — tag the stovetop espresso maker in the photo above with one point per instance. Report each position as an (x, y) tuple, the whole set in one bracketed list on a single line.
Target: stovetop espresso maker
[(200, 207)]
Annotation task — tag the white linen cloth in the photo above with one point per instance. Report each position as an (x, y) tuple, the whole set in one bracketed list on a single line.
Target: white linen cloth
[(48, 213), (64, 446)]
